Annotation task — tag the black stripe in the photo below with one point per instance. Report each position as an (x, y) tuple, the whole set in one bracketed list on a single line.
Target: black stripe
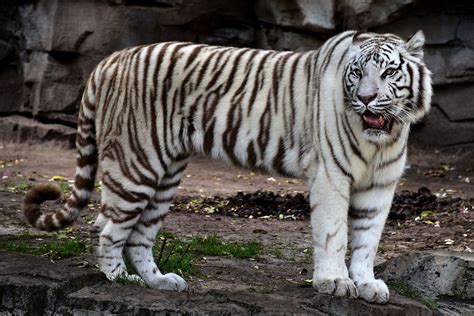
[(167, 186), (394, 159), (363, 214), (336, 161), (354, 147), (421, 88)]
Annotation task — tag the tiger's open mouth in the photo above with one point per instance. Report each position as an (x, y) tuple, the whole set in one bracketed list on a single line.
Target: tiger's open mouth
[(372, 121)]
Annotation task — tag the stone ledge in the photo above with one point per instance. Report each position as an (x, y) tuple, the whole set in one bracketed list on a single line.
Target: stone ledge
[(20, 129), (34, 285)]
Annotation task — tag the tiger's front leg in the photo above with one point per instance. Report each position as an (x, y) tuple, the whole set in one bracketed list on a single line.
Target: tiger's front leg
[(329, 208), (368, 213)]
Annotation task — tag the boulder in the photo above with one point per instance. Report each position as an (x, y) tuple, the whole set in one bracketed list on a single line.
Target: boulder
[(6, 50), (456, 101), (55, 81), (464, 31), (358, 14), (97, 28), (11, 89), (311, 15), (19, 129), (434, 274), (429, 24), (85, 27), (227, 34), (450, 64), (438, 131), (279, 39)]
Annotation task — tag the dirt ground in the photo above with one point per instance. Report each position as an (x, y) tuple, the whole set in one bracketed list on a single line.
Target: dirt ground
[(444, 175)]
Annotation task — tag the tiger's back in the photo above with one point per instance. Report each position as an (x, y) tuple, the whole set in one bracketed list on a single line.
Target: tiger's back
[(246, 106)]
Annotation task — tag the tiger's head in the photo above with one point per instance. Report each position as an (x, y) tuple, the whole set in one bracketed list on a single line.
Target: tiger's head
[(386, 82)]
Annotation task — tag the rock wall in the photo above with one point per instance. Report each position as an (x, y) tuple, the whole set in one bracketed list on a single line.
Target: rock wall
[(49, 47)]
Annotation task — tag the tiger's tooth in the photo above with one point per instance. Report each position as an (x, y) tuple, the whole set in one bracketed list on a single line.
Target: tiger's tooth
[(381, 120), (365, 118)]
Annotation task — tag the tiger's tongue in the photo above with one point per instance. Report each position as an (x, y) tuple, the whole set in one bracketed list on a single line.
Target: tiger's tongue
[(373, 120)]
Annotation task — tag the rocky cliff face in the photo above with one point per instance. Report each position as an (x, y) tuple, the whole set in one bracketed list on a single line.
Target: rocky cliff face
[(49, 47)]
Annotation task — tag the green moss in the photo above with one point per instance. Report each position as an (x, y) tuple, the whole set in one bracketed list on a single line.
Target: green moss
[(431, 303), (403, 290), (261, 290)]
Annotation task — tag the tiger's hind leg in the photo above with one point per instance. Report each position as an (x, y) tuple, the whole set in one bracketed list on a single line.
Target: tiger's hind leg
[(121, 209), (140, 242)]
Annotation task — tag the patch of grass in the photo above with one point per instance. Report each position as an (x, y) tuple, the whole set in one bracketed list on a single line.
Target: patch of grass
[(212, 245), (403, 290), (431, 303), (128, 280), (174, 255), (20, 186), (54, 250), (26, 236), (261, 289), (64, 186), (293, 253), (179, 255), (166, 234), (277, 253)]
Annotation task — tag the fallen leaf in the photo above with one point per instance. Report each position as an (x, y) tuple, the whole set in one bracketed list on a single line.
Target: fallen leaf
[(59, 178), (449, 241), (425, 214)]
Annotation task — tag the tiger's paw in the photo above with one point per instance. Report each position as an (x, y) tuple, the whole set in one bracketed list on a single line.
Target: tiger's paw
[(374, 291), (169, 281), (343, 287)]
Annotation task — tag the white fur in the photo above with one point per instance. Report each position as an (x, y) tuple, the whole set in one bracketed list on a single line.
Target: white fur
[(305, 121)]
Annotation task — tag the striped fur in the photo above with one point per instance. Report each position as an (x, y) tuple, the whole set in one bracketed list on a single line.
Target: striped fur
[(147, 109)]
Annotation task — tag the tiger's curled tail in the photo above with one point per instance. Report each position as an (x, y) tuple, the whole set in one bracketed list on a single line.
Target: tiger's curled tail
[(84, 179)]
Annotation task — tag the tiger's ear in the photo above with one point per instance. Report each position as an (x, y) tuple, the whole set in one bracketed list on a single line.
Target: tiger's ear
[(360, 37), (415, 43)]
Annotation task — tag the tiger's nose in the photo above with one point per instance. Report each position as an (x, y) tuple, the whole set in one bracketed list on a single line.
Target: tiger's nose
[(367, 98)]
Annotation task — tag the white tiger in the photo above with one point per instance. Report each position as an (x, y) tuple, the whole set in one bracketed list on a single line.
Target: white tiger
[(338, 117)]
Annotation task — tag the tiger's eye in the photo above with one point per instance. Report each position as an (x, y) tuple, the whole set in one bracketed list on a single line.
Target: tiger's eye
[(358, 73), (388, 72)]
